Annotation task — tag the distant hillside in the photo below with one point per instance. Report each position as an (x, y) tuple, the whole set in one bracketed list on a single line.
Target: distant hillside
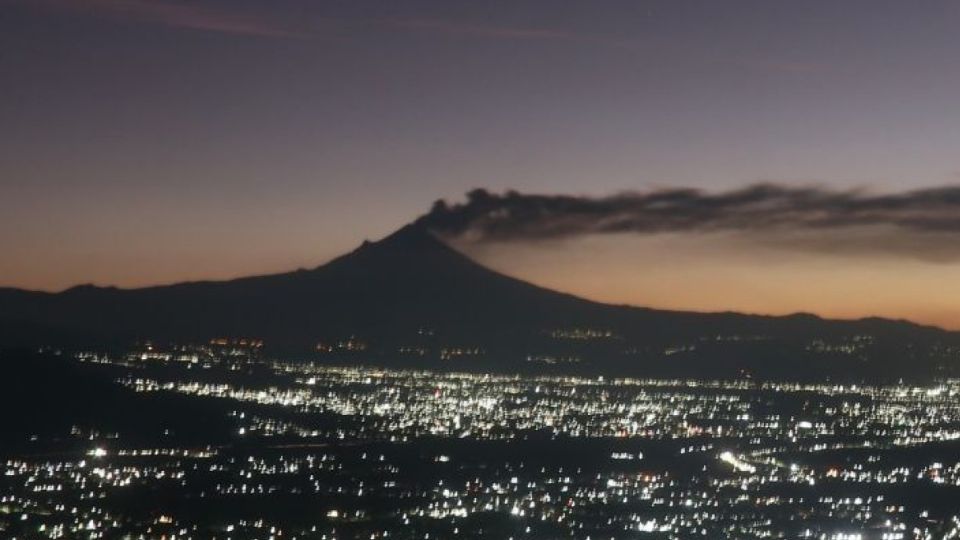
[(410, 299)]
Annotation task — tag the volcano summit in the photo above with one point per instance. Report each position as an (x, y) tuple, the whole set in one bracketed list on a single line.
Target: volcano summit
[(410, 299)]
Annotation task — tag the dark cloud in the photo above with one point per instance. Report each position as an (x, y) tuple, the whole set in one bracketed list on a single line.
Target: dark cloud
[(924, 223)]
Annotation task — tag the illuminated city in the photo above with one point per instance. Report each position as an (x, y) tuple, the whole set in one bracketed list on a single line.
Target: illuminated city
[(319, 451)]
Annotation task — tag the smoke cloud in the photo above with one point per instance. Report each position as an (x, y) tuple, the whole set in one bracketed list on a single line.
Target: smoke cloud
[(921, 223)]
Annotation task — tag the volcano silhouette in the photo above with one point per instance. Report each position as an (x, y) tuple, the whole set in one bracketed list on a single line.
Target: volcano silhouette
[(411, 291)]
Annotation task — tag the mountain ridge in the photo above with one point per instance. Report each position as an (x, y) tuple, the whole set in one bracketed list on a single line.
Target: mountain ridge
[(416, 229), (390, 292)]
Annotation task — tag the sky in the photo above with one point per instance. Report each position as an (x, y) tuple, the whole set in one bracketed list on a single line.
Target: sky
[(153, 141)]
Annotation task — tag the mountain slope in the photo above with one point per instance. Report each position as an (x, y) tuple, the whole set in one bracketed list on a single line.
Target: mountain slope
[(411, 292), (409, 278)]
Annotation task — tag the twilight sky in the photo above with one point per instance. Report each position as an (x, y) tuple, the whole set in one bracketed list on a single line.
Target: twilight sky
[(150, 141)]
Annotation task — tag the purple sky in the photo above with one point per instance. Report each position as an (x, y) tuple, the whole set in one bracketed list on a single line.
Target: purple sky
[(149, 141)]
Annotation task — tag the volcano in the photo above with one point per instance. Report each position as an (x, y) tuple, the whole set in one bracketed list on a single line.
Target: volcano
[(411, 298)]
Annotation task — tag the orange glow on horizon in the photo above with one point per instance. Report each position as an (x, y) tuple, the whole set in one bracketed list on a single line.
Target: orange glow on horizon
[(711, 274)]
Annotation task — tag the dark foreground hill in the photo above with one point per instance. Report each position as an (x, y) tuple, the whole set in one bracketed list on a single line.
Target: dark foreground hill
[(409, 299), (50, 397)]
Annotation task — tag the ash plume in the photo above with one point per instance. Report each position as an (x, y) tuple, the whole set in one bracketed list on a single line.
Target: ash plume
[(923, 223)]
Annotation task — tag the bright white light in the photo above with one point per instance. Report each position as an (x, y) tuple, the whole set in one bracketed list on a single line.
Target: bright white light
[(738, 464)]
